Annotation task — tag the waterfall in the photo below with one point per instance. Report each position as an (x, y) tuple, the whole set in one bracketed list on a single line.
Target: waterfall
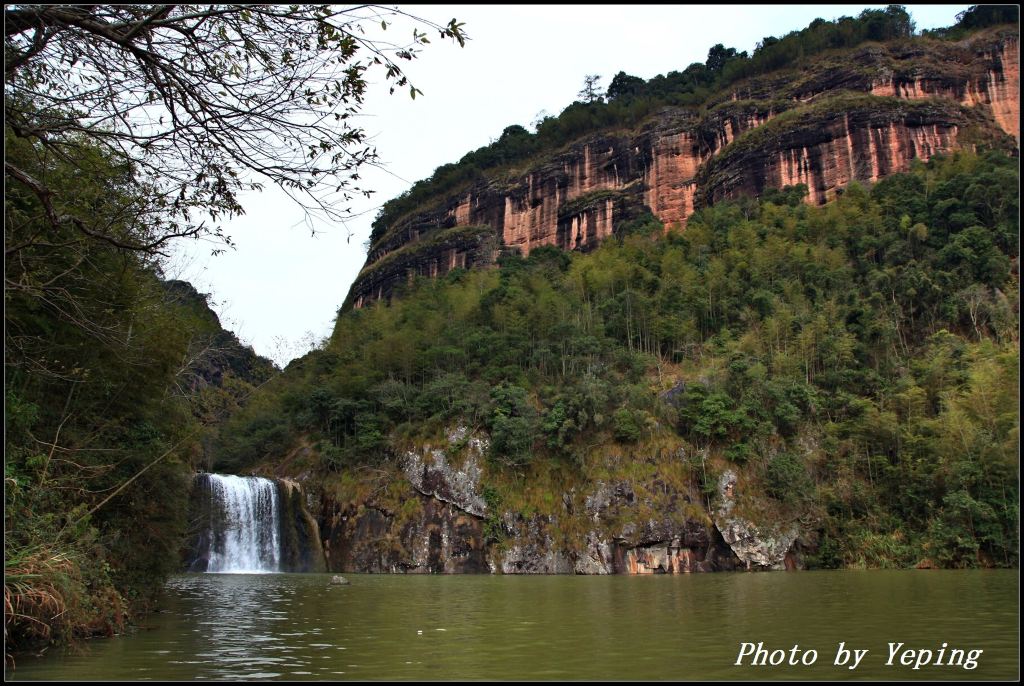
[(244, 526)]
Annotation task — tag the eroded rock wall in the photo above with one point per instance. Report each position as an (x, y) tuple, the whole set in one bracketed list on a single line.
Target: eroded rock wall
[(996, 86), (758, 545), (839, 141), (671, 165), (435, 538), (437, 520), (301, 549)]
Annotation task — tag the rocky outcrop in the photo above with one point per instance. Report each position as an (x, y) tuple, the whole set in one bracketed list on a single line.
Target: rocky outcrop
[(673, 558), (597, 556), (436, 520), (914, 99), (301, 550), (670, 542), (430, 472), (530, 547), (431, 521), (834, 142), (433, 537), (756, 546)]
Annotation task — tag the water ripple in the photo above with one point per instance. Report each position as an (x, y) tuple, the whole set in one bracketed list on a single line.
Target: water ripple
[(458, 628)]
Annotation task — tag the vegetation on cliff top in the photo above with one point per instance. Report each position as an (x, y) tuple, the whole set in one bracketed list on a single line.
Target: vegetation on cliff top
[(856, 362)]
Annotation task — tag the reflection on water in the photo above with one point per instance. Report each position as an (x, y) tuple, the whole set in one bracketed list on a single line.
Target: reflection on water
[(291, 626)]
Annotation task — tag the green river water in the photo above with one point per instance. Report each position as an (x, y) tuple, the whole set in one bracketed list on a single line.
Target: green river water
[(690, 627)]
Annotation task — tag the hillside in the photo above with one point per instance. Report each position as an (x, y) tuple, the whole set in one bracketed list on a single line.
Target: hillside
[(115, 381), (757, 315)]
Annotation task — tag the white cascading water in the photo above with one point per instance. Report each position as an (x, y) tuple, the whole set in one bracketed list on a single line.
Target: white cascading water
[(249, 509)]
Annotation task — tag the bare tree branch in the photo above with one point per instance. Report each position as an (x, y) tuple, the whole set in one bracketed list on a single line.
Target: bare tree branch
[(202, 101)]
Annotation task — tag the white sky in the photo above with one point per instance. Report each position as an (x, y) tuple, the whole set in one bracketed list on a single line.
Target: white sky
[(280, 289)]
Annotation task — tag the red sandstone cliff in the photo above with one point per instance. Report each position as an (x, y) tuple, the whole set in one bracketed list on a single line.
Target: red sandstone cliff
[(856, 117)]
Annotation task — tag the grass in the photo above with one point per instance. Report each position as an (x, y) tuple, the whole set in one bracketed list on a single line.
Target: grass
[(39, 592)]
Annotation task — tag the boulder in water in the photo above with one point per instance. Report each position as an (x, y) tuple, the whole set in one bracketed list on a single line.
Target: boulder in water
[(338, 580)]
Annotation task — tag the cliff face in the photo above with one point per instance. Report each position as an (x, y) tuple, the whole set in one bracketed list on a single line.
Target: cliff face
[(225, 352), (432, 518), (858, 116), (436, 522), (833, 142), (997, 87)]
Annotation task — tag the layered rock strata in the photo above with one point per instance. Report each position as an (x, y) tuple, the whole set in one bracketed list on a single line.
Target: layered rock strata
[(827, 145), (916, 99)]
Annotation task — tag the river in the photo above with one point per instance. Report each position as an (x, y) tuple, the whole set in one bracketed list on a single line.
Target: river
[(688, 627)]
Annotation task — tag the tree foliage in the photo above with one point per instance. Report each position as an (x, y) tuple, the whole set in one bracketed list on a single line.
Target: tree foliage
[(591, 91), (124, 126), (858, 360), (93, 349), (201, 102), (977, 17), (112, 378)]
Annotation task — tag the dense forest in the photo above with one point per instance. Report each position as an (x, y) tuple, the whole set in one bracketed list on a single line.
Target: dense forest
[(115, 380), (128, 129), (858, 362)]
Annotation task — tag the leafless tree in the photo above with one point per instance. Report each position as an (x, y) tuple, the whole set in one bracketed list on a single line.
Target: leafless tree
[(591, 91), (200, 102)]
